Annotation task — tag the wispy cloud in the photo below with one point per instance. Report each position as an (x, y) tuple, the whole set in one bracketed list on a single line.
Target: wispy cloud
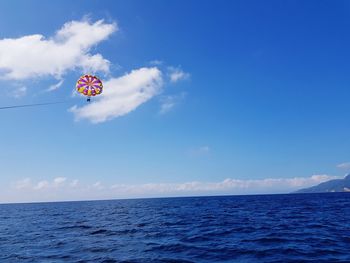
[(344, 166), (203, 150), (62, 188), (55, 86), (98, 186), (34, 56), (23, 184), (168, 102), (176, 74), (122, 95), (74, 183), (19, 92), (156, 62)]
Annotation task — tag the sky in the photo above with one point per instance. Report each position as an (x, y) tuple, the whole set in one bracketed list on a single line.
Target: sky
[(209, 98)]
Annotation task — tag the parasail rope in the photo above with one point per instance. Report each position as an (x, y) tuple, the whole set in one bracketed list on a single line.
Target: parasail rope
[(31, 105)]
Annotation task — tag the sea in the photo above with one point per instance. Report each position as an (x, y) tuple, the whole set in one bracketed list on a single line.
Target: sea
[(254, 228)]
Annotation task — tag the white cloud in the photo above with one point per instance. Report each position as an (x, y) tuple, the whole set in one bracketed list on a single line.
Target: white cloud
[(98, 185), (55, 86), (227, 186), (344, 166), (58, 181), (42, 185), (168, 102), (177, 74), (122, 95), (34, 56), (26, 190)]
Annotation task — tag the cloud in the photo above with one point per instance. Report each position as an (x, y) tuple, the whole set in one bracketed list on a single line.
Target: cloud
[(122, 95), (98, 185), (19, 92), (344, 166), (74, 183), (227, 186), (41, 185), (199, 151), (156, 62), (177, 74), (23, 184), (35, 56), (168, 102), (62, 188), (58, 181), (55, 86)]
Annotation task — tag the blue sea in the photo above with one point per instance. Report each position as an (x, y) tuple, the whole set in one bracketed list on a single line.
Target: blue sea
[(260, 228)]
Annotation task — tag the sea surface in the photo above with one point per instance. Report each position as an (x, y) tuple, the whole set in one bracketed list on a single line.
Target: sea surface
[(261, 228)]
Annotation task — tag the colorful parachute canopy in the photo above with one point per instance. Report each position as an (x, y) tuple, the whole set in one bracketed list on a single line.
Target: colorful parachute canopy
[(89, 85)]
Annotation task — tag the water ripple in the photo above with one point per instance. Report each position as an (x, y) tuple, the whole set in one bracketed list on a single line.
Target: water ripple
[(270, 228)]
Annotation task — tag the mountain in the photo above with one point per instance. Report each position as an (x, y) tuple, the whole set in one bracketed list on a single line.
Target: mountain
[(337, 185)]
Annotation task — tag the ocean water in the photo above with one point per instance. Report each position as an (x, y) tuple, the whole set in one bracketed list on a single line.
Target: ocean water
[(265, 228)]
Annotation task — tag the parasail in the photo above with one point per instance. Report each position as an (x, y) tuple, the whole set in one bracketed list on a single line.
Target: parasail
[(89, 85)]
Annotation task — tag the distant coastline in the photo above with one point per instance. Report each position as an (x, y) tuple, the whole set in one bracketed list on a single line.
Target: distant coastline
[(331, 186)]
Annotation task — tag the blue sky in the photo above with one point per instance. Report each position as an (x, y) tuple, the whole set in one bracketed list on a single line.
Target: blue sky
[(238, 97)]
